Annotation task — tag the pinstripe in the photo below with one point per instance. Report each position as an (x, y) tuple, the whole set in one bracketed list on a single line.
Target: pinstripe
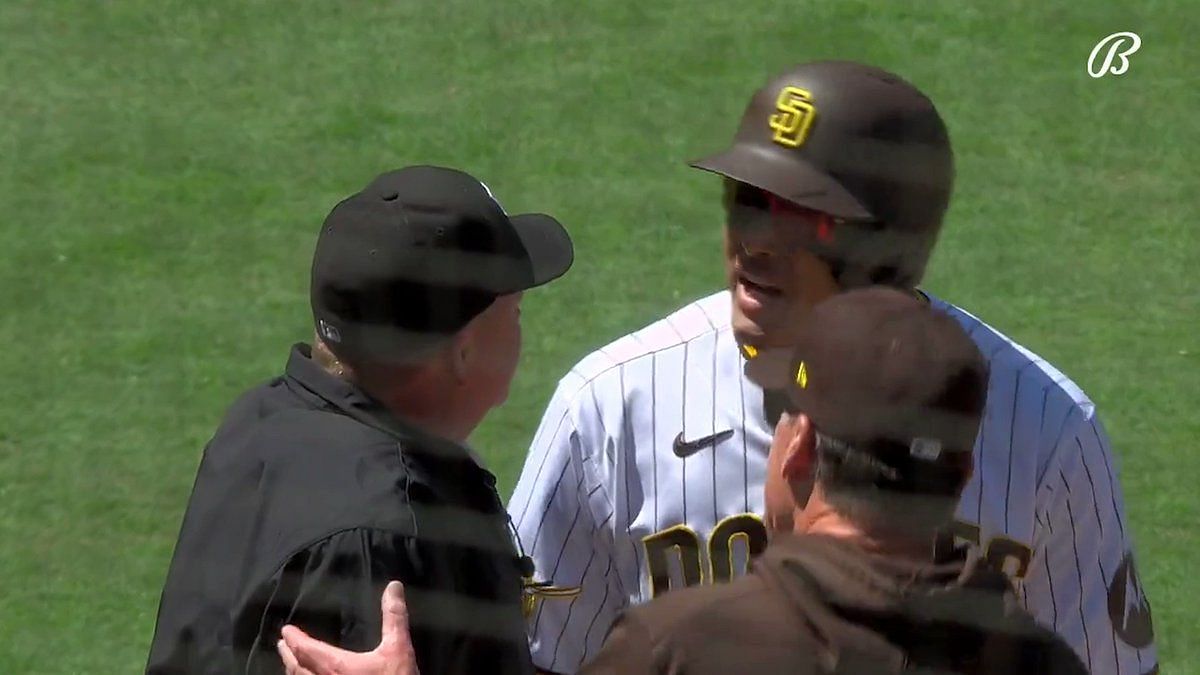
[(1092, 484), (617, 364), (1100, 524), (671, 325), (1112, 633), (634, 336), (1062, 429), (627, 454), (538, 617), (570, 609), (538, 476), (654, 430), (745, 446), (1050, 582), (601, 526), (979, 468), (1087, 642), (1043, 411), (603, 430), (982, 435), (1012, 432), (1062, 432), (599, 610), (1012, 428), (707, 316), (1112, 489), (713, 454), (561, 551), (542, 522), (683, 422)]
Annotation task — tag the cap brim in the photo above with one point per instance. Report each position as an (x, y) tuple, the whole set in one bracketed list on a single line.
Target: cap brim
[(789, 177), (548, 245)]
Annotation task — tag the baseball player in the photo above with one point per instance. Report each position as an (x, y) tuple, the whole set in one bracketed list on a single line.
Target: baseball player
[(646, 471)]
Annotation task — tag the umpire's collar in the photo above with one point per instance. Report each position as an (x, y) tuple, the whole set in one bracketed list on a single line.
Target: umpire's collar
[(357, 404)]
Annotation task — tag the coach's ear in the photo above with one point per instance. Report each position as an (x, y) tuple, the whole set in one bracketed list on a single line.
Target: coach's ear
[(795, 432)]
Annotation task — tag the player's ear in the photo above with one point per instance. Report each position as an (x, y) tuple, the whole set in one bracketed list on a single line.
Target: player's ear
[(800, 450)]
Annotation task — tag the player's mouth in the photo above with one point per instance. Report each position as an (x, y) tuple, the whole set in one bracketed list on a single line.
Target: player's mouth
[(753, 291)]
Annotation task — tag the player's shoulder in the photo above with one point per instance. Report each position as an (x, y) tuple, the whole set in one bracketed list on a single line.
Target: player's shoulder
[(1009, 359), (693, 321)]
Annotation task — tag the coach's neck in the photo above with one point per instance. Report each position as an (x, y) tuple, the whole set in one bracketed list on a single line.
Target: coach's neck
[(818, 516)]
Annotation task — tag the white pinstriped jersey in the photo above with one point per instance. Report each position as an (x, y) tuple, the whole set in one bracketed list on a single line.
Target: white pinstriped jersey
[(605, 504)]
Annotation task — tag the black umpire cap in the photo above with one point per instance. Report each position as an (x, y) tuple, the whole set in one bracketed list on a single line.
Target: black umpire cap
[(881, 372), (417, 254)]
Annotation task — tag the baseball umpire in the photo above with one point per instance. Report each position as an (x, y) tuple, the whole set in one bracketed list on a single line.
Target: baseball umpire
[(646, 472), (351, 470)]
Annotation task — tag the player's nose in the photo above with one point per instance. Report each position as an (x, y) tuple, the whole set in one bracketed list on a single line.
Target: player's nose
[(757, 240)]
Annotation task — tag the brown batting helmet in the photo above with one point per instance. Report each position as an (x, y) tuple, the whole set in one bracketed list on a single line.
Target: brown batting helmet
[(860, 144)]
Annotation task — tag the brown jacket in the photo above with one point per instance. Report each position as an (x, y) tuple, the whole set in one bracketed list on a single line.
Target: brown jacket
[(813, 604)]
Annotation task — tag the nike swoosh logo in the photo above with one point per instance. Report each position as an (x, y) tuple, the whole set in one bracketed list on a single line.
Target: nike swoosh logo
[(684, 448)]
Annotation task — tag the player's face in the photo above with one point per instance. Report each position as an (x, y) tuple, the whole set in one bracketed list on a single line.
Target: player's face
[(773, 278), (496, 349)]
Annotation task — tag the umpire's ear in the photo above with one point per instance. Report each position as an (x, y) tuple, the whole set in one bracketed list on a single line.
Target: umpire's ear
[(460, 352)]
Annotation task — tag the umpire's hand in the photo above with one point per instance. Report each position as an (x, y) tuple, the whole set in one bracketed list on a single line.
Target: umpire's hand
[(304, 655)]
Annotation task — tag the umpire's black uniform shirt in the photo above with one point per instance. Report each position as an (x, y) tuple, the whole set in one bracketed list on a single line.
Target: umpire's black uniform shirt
[(309, 499)]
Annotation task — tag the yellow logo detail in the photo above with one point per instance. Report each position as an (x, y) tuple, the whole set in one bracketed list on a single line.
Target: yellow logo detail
[(793, 116), (534, 592), (749, 352), (802, 376)]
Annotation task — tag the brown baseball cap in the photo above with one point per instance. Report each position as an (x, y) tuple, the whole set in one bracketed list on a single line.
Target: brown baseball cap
[(845, 138), (880, 370)]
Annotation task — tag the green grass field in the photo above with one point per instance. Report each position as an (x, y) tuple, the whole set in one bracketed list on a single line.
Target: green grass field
[(165, 165)]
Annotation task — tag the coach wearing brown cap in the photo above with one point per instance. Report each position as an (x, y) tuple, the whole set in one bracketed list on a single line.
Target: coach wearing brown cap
[(886, 395), (352, 468)]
